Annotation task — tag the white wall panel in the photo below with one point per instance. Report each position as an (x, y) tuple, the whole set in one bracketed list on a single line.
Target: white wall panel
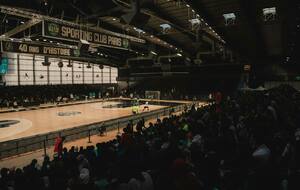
[(54, 64), (114, 70), (41, 73), (106, 75), (26, 62), (66, 73), (114, 74), (88, 75), (77, 66), (106, 69), (78, 78), (26, 77), (106, 79), (97, 75), (55, 76), (54, 71), (97, 78), (41, 77)]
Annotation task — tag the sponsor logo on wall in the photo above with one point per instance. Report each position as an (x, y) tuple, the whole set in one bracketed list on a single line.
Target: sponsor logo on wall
[(53, 29)]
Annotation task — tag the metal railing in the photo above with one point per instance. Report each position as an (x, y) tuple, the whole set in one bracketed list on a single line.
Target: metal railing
[(42, 141)]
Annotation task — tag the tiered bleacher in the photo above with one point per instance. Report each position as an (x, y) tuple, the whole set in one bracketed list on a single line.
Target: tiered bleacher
[(247, 142)]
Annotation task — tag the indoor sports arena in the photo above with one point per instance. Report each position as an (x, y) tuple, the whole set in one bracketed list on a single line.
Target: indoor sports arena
[(149, 94)]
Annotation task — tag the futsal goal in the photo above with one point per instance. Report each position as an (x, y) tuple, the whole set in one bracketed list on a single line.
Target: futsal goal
[(152, 95)]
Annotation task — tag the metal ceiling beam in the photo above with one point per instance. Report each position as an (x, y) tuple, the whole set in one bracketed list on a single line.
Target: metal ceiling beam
[(200, 7), (156, 12), (172, 41), (159, 14), (20, 28), (30, 15), (148, 30)]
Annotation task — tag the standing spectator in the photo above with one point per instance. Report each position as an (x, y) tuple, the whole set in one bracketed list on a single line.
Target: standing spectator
[(58, 146)]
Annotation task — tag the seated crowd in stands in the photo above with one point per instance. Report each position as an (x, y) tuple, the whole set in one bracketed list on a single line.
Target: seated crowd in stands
[(250, 142), (35, 95)]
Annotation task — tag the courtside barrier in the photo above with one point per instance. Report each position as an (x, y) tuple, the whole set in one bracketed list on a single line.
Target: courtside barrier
[(42, 141)]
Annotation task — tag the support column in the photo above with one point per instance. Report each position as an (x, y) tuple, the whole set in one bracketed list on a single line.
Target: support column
[(224, 53), (48, 75), (33, 69), (18, 69), (60, 73), (72, 71), (213, 49), (109, 75), (82, 73), (102, 76), (93, 74)]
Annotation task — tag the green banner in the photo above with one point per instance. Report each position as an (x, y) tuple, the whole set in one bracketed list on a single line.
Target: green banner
[(74, 33), (20, 47)]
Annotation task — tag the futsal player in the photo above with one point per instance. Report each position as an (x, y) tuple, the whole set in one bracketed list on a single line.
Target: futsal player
[(135, 109), (146, 106)]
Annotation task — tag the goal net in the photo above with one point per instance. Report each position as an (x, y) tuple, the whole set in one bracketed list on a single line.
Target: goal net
[(152, 95)]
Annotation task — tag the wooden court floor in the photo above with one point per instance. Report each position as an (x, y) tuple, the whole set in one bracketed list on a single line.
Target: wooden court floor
[(34, 122)]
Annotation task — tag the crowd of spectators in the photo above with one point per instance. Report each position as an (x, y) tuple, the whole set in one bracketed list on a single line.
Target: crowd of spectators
[(25, 96), (247, 142)]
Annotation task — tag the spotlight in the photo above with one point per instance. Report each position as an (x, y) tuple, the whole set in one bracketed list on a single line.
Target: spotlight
[(60, 64), (165, 28), (154, 53)]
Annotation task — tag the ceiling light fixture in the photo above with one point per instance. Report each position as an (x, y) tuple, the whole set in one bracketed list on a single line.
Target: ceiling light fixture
[(165, 28), (154, 53)]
